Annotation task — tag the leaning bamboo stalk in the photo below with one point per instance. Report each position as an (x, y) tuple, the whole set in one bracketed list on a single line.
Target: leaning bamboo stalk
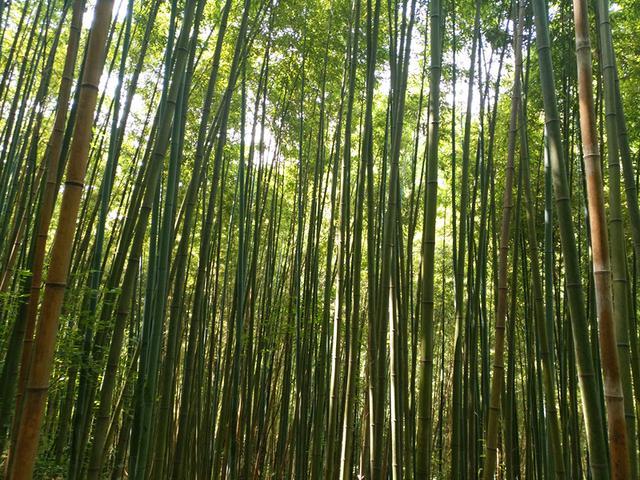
[(51, 161), (160, 147), (38, 379)]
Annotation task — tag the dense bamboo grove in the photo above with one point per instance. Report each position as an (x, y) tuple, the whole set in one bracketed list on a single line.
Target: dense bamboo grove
[(319, 239)]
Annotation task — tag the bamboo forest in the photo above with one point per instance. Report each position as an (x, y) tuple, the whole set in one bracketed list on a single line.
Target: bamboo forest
[(319, 239)]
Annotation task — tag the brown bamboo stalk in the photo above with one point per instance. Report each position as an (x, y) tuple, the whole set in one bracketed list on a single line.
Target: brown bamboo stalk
[(614, 400), (51, 162), (497, 381), (28, 433)]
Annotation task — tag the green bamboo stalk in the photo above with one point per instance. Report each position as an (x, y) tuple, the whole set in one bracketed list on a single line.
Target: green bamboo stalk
[(424, 420)]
